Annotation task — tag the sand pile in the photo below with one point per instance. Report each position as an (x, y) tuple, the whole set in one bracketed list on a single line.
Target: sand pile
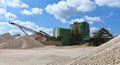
[(44, 40), (110, 56), (108, 44), (38, 37), (6, 37), (105, 54), (21, 43)]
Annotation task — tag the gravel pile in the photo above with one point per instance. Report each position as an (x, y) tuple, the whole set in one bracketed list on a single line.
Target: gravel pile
[(110, 56), (108, 44), (22, 42), (106, 54), (44, 41), (6, 37)]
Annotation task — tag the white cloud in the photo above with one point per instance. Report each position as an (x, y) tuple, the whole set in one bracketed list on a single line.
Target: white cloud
[(65, 9), (37, 10), (2, 3), (23, 5), (61, 10), (110, 3), (26, 12), (10, 16), (93, 29), (15, 31), (32, 11), (3, 27), (91, 20), (88, 19), (6, 27), (13, 3), (2, 11), (16, 3), (81, 5), (78, 20)]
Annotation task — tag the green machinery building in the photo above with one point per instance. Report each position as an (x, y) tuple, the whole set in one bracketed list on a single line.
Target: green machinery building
[(80, 32), (63, 35), (77, 34)]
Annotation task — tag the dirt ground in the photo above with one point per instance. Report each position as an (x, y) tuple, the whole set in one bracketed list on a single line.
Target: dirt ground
[(48, 55)]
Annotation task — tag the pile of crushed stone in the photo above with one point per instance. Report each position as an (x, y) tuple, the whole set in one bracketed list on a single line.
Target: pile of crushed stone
[(6, 37), (110, 56), (22, 42), (106, 54)]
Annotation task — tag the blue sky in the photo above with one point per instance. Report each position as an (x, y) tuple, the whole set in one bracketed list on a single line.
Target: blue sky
[(48, 14)]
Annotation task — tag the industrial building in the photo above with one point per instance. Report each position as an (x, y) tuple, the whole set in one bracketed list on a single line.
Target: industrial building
[(76, 34)]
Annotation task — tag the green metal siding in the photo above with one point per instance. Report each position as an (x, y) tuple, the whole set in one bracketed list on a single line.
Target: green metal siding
[(83, 28), (64, 34), (56, 32)]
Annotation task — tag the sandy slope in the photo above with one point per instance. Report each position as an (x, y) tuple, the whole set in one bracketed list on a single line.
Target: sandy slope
[(22, 42), (106, 54), (6, 37), (49, 55), (109, 56)]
